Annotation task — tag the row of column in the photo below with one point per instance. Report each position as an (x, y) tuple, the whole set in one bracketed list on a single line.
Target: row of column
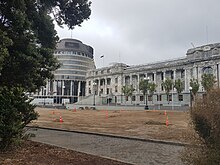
[(185, 74), (63, 88)]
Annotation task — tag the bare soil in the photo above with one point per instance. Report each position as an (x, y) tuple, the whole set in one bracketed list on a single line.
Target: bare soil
[(33, 153), (143, 124), (161, 125)]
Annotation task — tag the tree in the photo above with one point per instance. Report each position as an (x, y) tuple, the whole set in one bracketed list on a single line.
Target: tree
[(195, 87), (167, 84), (27, 42), (128, 91), (208, 81), (144, 86), (152, 88), (179, 86), (4, 43)]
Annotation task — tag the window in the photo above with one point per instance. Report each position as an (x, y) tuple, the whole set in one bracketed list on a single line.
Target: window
[(141, 98), (116, 80), (108, 81), (90, 91), (89, 82), (107, 91), (170, 97), (172, 74), (159, 98), (208, 70), (133, 98), (162, 77), (182, 73), (150, 98), (161, 87), (180, 97), (116, 88), (126, 98), (102, 71), (108, 70)]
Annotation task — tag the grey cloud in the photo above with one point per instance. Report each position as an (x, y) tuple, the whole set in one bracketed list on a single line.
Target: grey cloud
[(151, 30)]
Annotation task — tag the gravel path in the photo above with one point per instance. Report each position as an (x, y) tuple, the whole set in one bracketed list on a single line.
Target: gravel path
[(126, 150)]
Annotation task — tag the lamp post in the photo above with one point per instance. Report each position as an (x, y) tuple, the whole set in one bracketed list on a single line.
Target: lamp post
[(146, 79), (190, 97), (94, 85), (63, 93), (45, 95), (173, 89)]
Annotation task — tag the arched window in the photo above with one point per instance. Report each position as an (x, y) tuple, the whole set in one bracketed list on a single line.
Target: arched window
[(215, 51), (208, 70)]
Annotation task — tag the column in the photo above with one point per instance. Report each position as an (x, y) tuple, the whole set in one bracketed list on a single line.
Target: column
[(174, 75), (79, 87), (155, 77), (62, 87), (47, 88), (54, 86), (105, 86), (71, 88), (185, 79), (138, 82)]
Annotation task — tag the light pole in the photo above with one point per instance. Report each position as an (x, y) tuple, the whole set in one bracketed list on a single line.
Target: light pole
[(190, 97), (63, 93), (146, 79), (94, 85), (173, 89)]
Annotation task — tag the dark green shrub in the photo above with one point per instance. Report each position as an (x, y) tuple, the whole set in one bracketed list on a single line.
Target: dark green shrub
[(15, 113)]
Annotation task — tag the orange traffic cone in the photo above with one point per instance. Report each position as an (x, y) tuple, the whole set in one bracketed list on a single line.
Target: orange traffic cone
[(61, 120), (74, 109), (165, 112), (167, 121)]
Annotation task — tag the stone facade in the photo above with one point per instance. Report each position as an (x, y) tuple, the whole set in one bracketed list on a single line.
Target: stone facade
[(107, 82)]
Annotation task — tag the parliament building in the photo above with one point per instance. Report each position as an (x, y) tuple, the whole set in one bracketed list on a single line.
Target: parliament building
[(78, 80), (107, 82)]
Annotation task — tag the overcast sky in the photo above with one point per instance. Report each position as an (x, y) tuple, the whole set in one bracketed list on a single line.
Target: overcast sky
[(143, 31)]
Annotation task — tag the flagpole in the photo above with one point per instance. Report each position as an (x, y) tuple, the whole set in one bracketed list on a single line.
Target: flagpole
[(102, 56)]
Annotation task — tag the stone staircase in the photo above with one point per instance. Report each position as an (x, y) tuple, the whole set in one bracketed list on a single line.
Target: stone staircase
[(89, 100)]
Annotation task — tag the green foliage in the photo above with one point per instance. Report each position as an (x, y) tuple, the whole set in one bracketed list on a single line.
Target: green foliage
[(144, 86), (27, 42), (195, 86), (205, 117), (167, 84), (4, 42), (179, 86), (15, 113), (152, 88), (128, 90), (208, 81), (29, 38)]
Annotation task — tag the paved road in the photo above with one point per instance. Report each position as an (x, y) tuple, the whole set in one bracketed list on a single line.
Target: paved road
[(127, 150)]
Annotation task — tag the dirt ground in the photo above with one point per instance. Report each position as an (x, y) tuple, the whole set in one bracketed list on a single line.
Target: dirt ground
[(143, 124), (33, 153)]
